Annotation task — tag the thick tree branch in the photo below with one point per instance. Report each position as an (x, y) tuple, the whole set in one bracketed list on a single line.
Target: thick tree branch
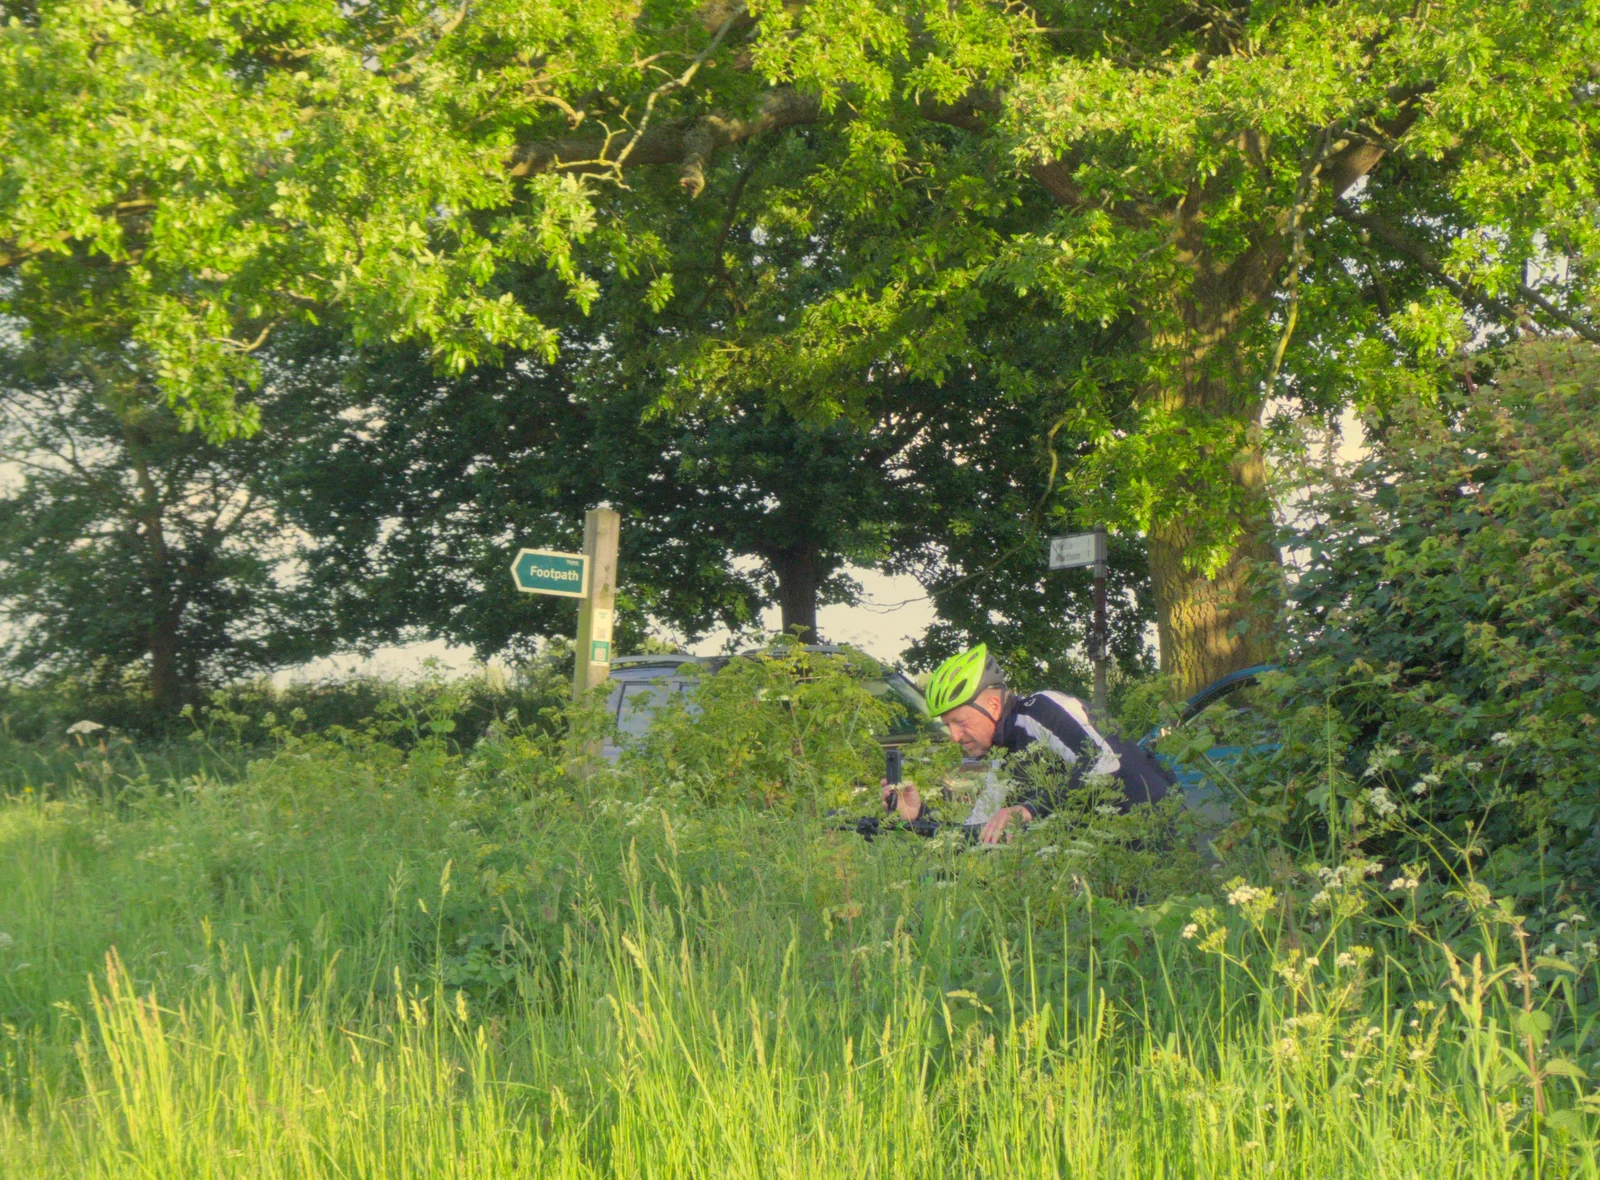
[(1391, 237), (1582, 327), (1255, 274), (677, 83), (689, 143), (718, 271), (11, 253)]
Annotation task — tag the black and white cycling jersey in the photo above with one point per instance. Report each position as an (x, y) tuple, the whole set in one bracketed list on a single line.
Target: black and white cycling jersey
[(1062, 723)]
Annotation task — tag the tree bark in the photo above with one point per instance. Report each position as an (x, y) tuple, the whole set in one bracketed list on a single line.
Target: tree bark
[(166, 682), (1210, 625), (161, 635), (800, 573)]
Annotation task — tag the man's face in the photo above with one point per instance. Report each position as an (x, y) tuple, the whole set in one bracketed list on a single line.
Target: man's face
[(970, 728)]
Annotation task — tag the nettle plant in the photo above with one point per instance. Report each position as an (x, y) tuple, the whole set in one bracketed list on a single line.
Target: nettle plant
[(785, 728), (1444, 662), (1091, 841)]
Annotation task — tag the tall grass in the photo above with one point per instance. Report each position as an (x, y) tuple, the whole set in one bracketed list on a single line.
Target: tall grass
[(347, 964)]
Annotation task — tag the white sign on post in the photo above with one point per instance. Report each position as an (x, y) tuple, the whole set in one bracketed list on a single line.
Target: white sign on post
[(1080, 549)]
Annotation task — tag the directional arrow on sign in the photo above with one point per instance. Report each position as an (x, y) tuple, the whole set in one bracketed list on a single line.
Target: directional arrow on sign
[(546, 571)]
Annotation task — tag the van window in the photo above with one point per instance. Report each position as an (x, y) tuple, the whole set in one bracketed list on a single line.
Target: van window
[(638, 705)]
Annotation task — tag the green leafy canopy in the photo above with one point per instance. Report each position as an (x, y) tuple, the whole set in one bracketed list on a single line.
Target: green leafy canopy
[(1274, 196)]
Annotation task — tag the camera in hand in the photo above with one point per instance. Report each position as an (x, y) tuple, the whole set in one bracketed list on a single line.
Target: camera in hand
[(893, 764)]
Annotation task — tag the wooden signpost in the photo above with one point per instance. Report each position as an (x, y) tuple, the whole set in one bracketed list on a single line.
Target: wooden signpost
[(591, 578), (1072, 552), (601, 528)]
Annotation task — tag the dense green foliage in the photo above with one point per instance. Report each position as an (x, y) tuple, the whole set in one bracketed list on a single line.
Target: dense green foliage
[(407, 486), (353, 960), (818, 204), (129, 543), (786, 727), (1446, 661)]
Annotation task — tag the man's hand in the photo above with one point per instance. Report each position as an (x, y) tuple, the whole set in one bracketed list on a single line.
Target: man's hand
[(910, 801), (998, 827)]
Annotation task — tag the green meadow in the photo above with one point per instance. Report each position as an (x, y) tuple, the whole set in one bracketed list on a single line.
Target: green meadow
[(347, 961)]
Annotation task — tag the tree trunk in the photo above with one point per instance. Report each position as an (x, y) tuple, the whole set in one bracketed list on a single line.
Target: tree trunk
[(166, 683), (161, 636), (799, 570), (1210, 626)]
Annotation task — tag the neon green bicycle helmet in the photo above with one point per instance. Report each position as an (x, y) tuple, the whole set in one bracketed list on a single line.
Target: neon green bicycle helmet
[(960, 678)]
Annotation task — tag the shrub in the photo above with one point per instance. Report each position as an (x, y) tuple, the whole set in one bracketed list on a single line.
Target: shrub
[(1445, 640), (784, 728)]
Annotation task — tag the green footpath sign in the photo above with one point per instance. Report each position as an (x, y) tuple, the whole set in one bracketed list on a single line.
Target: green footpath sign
[(545, 571)]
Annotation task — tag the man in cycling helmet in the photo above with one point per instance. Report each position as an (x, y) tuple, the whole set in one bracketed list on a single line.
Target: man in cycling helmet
[(968, 693)]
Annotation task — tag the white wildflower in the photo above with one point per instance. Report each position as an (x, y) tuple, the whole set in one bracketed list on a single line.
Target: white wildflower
[(1503, 740), (1576, 918), (1243, 895), (1379, 760), (1378, 799), (1191, 930), (1048, 850), (1403, 884), (1474, 767), (1561, 927), (84, 727), (1419, 788), (1345, 959)]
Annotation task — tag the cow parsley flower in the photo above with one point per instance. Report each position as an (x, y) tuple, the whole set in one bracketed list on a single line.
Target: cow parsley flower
[(1243, 895)]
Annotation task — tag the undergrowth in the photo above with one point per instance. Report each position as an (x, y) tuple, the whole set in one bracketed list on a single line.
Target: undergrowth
[(357, 959)]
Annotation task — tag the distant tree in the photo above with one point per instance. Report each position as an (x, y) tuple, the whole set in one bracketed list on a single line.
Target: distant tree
[(415, 490), (129, 543), (986, 506)]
